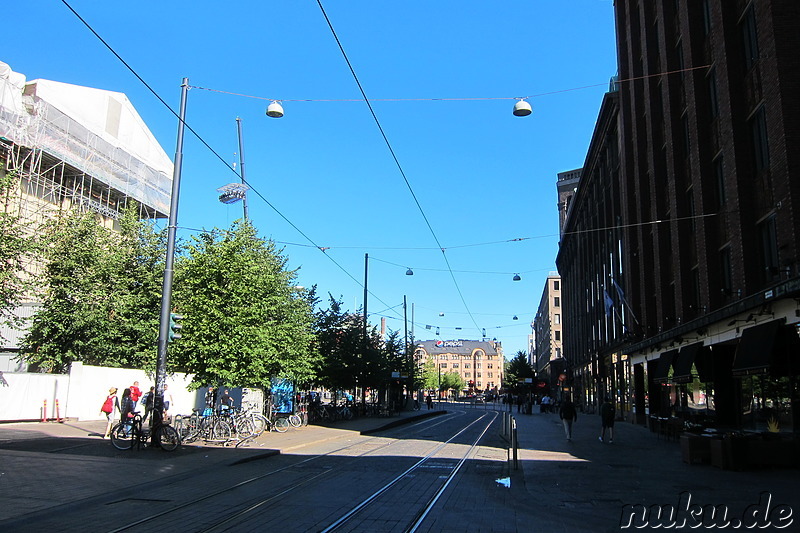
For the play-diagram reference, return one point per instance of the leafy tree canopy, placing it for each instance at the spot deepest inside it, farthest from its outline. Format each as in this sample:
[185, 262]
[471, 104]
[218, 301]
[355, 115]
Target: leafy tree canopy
[245, 321]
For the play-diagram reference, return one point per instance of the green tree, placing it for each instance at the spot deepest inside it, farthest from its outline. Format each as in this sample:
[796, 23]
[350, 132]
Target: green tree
[452, 381]
[245, 320]
[517, 369]
[15, 247]
[100, 293]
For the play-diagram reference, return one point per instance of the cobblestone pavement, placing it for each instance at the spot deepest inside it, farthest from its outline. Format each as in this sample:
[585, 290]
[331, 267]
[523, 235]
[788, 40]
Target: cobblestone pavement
[560, 485]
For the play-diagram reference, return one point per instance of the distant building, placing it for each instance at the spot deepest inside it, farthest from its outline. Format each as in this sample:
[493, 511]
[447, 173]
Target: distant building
[478, 361]
[567, 186]
[547, 326]
[75, 146]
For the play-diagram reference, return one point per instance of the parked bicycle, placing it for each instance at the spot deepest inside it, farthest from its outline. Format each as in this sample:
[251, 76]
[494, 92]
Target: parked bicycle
[127, 433]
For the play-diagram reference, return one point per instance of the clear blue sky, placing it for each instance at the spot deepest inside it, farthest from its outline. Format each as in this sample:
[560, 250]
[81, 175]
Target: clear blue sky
[480, 174]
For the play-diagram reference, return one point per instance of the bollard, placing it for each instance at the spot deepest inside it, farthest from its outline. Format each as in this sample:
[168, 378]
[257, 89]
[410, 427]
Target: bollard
[514, 443]
[44, 411]
[58, 413]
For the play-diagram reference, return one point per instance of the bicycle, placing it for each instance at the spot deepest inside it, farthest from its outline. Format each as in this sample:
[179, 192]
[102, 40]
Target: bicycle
[127, 433]
[278, 423]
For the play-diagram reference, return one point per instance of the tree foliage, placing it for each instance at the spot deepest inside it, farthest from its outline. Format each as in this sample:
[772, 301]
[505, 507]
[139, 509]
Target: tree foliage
[518, 369]
[15, 246]
[245, 321]
[100, 293]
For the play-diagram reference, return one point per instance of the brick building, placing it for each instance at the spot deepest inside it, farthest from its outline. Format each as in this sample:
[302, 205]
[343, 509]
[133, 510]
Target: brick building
[681, 243]
[478, 361]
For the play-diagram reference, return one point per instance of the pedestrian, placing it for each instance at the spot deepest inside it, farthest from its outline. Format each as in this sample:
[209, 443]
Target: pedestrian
[127, 409]
[225, 401]
[211, 401]
[520, 401]
[429, 401]
[136, 393]
[110, 405]
[568, 415]
[545, 408]
[607, 416]
[147, 401]
[167, 401]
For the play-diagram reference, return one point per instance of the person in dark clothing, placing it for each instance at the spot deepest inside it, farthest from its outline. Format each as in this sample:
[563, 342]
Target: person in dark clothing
[127, 409]
[211, 401]
[568, 415]
[148, 403]
[607, 416]
[225, 401]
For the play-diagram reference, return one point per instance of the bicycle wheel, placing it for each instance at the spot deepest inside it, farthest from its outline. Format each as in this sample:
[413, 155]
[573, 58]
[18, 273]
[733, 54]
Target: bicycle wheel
[121, 437]
[260, 423]
[169, 438]
[220, 430]
[245, 427]
[281, 425]
[295, 421]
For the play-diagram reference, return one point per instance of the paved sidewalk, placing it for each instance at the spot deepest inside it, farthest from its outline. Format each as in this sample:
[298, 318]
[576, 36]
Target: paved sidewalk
[43, 465]
[589, 480]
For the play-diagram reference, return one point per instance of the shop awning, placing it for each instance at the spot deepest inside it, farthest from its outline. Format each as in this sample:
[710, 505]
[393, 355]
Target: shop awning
[754, 353]
[683, 363]
[664, 364]
[703, 363]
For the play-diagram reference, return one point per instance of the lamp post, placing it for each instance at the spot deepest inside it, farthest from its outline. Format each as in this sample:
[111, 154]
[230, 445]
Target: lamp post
[241, 165]
[166, 291]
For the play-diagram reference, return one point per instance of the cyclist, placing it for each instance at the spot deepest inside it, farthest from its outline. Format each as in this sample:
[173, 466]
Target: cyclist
[127, 409]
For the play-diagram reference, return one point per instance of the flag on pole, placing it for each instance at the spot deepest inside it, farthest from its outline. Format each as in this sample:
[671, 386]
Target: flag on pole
[609, 303]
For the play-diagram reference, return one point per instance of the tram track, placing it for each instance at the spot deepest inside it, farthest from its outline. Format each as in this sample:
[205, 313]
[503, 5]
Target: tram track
[281, 482]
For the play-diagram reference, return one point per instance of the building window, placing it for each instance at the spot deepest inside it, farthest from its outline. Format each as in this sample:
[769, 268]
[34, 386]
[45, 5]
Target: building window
[749, 38]
[455, 365]
[442, 365]
[557, 318]
[467, 375]
[758, 131]
[769, 248]
[719, 176]
[725, 271]
[467, 365]
[713, 107]
[478, 374]
[477, 365]
[556, 302]
[557, 334]
[491, 375]
[490, 365]
[556, 285]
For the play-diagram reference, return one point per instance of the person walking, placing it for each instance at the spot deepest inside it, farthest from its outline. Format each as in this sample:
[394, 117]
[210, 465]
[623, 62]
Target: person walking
[568, 415]
[429, 401]
[127, 408]
[211, 401]
[148, 403]
[110, 405]
[136, 393]
[607, 416]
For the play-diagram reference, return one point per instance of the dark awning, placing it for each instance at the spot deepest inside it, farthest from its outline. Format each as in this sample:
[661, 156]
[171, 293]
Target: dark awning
[683, 363]
[664, 364]
[703, 363]
[754, 353]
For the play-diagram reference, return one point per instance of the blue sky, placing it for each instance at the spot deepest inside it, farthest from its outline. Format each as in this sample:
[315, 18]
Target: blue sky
[442, 77]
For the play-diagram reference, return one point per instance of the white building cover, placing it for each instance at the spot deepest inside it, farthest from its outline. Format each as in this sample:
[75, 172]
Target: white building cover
[96, 131]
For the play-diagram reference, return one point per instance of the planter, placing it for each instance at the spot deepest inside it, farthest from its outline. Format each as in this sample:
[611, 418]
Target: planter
[695, 448]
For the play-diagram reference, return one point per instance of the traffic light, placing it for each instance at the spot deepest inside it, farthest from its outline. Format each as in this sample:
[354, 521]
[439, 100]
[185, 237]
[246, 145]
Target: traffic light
[174, 326]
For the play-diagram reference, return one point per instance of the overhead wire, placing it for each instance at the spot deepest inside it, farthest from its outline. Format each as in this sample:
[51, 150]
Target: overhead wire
[396, 160]
[214, 152]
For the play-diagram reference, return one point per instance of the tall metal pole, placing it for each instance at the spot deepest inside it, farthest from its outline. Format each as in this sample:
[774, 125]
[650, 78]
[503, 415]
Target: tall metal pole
[166, 291]
[241, 165]
[366, 272]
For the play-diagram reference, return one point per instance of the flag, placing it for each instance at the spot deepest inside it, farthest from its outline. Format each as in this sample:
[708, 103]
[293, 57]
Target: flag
[609, 303]
[620, 293]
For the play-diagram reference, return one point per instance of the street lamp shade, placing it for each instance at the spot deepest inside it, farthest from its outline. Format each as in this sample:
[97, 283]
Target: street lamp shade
[409, 272]
[522, 109]
[516, 277]
[275, 110]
